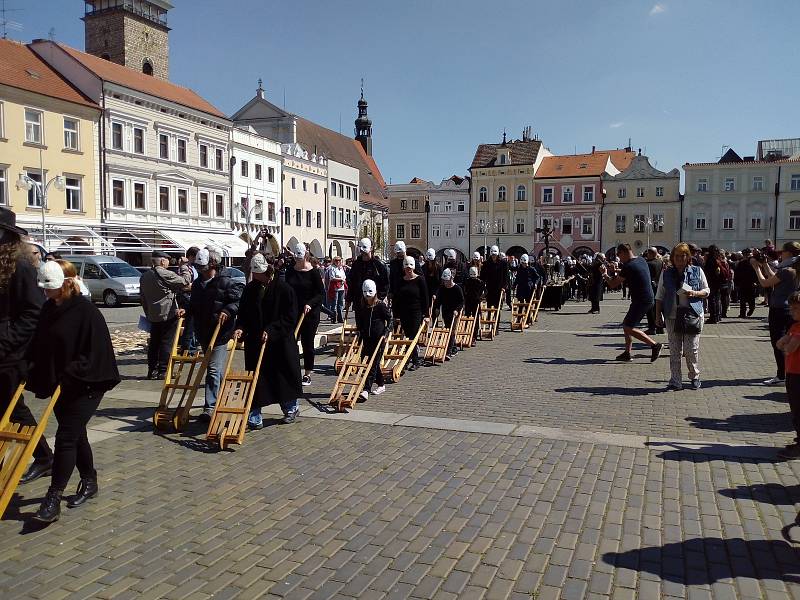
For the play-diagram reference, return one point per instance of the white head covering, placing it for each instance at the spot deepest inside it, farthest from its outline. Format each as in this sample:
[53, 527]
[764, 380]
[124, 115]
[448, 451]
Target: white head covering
[409, 261]
[202, 257]
[299, 250]
[369, 288]
[476, 256]
[399, 247]
[494, 251]
[450, 253]
[364, 245]
[430, 254]
[258, 264]
[524, 259]
[502, 255]
[473, 272]
[50, 276]
[447, 275]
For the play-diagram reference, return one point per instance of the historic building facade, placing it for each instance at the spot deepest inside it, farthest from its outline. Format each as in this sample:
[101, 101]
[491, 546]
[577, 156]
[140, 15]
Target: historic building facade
[642, 207]
[305, 181]
[569, 198]
[49, 135]
[407, 216]
[342, 216]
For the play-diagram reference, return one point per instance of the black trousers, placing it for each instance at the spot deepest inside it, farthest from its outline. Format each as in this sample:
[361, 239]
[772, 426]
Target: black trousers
[73, 411]
[747, 300]
[779, 322]
[493, 297]
[375, 375]
[307, 332]
[793, 394]
[159, 345]
[10, 378]
[725, 299]
[715, 305]
[411, 324]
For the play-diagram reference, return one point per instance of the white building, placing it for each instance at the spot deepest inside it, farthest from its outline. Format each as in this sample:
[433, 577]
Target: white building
[256, 182]
[343, 183]
[448, 222]
[305, 183]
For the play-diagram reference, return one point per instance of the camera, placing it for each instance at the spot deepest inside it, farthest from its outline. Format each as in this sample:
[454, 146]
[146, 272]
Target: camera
[759, 256]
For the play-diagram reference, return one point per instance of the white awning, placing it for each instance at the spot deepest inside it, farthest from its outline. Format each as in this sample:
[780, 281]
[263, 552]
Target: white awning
[232, 246]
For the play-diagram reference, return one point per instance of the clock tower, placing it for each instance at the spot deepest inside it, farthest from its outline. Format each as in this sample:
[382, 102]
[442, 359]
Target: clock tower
[133, 33]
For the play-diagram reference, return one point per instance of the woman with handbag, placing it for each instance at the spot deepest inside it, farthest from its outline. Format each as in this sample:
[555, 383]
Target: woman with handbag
[679, 299]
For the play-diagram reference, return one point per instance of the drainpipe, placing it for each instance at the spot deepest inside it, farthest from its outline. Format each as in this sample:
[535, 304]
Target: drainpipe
[103, 202]
[777, 194]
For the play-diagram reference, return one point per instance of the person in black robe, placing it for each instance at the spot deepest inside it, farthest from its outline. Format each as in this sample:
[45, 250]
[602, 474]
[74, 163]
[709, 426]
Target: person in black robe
[431, 271]
[71, 348]
[306, 282]
[372, 320]
[495, 275]
[409, 305]
[474, 290]
[526, 280]
[269, 312]
[449, 298]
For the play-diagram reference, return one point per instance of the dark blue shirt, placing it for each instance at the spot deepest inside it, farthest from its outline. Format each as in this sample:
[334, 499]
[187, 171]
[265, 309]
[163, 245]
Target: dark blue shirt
[637, 276]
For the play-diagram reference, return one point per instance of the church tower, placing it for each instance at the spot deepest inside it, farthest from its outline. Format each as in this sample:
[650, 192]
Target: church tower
[363, 124]
[133, 33]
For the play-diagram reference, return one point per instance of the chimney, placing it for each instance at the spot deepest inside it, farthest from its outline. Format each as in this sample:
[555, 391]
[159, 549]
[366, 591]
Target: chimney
[593, 149]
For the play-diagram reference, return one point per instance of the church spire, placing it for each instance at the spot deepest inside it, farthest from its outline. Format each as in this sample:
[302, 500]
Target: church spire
[363, 124]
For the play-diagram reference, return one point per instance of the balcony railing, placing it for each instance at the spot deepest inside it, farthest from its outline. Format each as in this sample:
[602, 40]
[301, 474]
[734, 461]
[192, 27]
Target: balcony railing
[151, 15]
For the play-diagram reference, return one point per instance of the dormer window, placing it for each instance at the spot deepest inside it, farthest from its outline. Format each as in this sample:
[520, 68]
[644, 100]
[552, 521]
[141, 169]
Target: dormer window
[503, 159]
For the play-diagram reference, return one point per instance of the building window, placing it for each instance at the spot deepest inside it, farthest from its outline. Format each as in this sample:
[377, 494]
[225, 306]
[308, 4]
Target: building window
[305, 185]
[566, 225]
[501, 193]
[588, 193]
[727, 222]
[414, 203]
[437, 207]
[245, 169]
[348, 219]
[659, 191]
[203, 155]
[333, 190]
[794, 220]
[503, 159]
[448, 207]
[658, 223]
[730, 184]
[700, 221]
[258, 172]
[163, 198]
[400, 231]
[547, 195]
[758, 183]
[147, 67]
[34, 200]
[403, 204]
[520, 225]
[620, 224]
[73, 193]
[204, 204]
[298, 217]
[219, 205]
[118, 193]
[501, 225]
[163, 146]
[315, 188]
[271, 212]
[566, 195]
[341, 217]
[702, 184]
[795, 185]
[587, 226]
[294, 183]
[522, 193]
[271, 174]
[639, 222]
[116, 136]
[640, 192]
[462, 230]
[70, 134]
[462, 206]
[138, 140]
[448, 231]
[341, 191]
[2, 121]
[3, 187]
[755, 221]
[483, 195]
[183, 201]
[333, 216]
[621, 192]
[348, 192]
[140, 202]
[436, 231]
[33, 126]
[415, 231]
[181, 150]
[287, 215]
[220, 160]
[319, 220]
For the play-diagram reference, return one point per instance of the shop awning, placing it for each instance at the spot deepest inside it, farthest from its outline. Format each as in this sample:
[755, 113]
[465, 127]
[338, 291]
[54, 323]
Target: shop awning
[232, 246]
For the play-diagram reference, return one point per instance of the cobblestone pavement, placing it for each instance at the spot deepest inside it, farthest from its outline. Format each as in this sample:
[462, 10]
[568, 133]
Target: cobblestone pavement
[343, 509]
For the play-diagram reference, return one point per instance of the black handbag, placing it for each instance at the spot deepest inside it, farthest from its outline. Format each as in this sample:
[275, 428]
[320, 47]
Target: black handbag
[686, 320]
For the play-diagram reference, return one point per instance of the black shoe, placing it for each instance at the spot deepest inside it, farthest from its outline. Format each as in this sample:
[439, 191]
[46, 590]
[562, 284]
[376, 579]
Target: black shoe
[254, 426]
[152, 374]
[413, 366]
[656, 352]
[751, 311]
[290, 418]
[36, 470]
[87, 489]
[650, 331]
[659, 331]
[624, 357]
[50, 509]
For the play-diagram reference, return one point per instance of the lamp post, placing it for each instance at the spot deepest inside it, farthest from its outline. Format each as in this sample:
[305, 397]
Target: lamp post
[546, 233]
[29, 183]
[649, 224]
[484, 228]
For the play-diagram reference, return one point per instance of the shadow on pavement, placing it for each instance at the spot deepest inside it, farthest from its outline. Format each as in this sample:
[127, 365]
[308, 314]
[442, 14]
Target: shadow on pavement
[760, 423]
[711, 451]
[568, 361]
[703, 561]
[605, 390]
[768, 493]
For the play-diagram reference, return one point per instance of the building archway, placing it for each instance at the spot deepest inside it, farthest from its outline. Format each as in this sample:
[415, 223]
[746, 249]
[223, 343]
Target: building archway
[411, 251]
[516, 251]
[460, 256]
[553, 252]
[581, 251]
[353, 251]
[335, 249]
[316, 249]
[147, 67]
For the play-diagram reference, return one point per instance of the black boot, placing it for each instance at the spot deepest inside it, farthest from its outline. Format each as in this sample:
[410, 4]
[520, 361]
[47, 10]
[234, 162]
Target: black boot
[36, 470]
[50, 509]
[87, 489]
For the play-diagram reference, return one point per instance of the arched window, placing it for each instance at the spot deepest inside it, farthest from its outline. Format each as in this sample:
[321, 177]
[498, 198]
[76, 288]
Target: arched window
[147, 67]
[483, 195]
[522, 193]
[501, 193]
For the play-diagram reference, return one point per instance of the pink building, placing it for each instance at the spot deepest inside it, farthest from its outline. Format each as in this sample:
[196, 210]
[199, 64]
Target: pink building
[568, 196]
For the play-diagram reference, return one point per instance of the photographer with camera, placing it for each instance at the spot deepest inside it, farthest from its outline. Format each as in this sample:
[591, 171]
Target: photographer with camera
[782, 284]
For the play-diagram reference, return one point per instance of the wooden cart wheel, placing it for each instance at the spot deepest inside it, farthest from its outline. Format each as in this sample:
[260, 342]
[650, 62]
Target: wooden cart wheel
[180, 419]
[223, 439]
[159, 420]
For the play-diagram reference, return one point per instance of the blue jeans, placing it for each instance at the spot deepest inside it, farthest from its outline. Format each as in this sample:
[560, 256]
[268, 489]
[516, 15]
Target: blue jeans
[216, 367]
[254, 418]
[188, 340]
[338, 304]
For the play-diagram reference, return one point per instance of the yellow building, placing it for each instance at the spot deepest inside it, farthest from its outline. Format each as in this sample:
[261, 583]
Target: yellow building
[48, 135]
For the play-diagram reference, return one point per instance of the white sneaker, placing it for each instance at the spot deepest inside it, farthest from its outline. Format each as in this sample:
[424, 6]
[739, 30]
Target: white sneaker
[775, 381]
[379, 390]
[364, 395]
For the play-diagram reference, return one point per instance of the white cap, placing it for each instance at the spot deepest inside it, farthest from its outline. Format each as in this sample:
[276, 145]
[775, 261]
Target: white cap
[409, 261]
[450, 253]
[447, 275]
[494, 250]
[473, 272]
[202, 257]
[299, 250]
[524, 258]
[430, 254]
[50, 276]
[399, 247]
[476, 256]
[502, 255]
[364, 245]
[258, 264]
[369, 289]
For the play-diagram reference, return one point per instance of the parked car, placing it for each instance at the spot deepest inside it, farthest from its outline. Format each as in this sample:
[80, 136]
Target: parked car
[236, 274]
[108, 278]
[143, 270]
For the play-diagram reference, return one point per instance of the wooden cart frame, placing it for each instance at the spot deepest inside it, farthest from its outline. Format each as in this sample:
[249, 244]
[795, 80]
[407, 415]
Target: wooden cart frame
[439, 340]
[348, 340]
[229, 421]
[184, 376]
[490, 318]
[523, 313]
[397, 352]
[352, 378]
[466, 330]
[17, 443]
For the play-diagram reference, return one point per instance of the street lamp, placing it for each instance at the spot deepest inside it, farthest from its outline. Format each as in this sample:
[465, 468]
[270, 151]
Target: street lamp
[249, 216]
[29, 183]
[484, 228]
[649, 224]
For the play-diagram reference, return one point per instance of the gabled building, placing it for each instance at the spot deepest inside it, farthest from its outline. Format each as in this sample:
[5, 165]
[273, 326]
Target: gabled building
[642, 207]
[408, 221]
[569, 198]
[48, 134]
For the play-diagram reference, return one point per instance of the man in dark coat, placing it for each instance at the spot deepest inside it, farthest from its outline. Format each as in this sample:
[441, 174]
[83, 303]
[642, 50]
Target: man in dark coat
[746, 282]
[20, 304]
[495, 275]
[655, 265]
[366, 266]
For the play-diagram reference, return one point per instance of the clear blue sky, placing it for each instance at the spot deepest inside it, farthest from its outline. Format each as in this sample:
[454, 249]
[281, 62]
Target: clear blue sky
[680, 78]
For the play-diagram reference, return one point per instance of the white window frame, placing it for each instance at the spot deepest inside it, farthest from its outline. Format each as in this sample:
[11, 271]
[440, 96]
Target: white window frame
[728, 222]
[462, 206]
[523, 192]
[134, 183]
[39, 123]
[68, 188]
[794, 182]
[588, 189]
[461, 231]
[620, 224]
[639, 223]
[640, 192]
[437, 206]
[258, 171]
[566, 219]
[218, 197]
[3, 184]
[448, 206]
[702, 184]
[200, 147]
[169, 198]
[333, 216]
[2, 121]
[729, 184]
[165, 135]
[483, 195]
[133, 140]
[756, 221]
[564, 191]
[124, 183]
[547, 192]
[584, 220]
[658, 223]
[400, 231]
[34, 200]
[794, 220]
[436, 231]
[519, 225]
[185, 141]
[659, 191]
[501, 193]
[448, 231]
[622, 192]
[72, 137]
[178, 201]
[758, 183]
[700, 222]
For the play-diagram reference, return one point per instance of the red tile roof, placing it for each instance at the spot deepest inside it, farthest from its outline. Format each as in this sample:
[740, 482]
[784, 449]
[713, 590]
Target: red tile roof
[743, 163]
[583, 165]
[22, 69]
[119, 74]
[520, 153]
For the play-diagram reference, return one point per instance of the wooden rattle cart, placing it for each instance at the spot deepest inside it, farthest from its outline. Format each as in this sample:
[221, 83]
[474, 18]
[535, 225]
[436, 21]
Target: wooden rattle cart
[523, 313]
[466, 330]
[347, 343]
[490, 318]
[439, 340]
[17, 443]
[184, 376]
[398, 352]
[352, 378]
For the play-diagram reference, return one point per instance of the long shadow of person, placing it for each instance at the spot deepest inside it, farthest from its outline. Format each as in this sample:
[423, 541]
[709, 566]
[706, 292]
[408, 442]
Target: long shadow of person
[768, 493]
